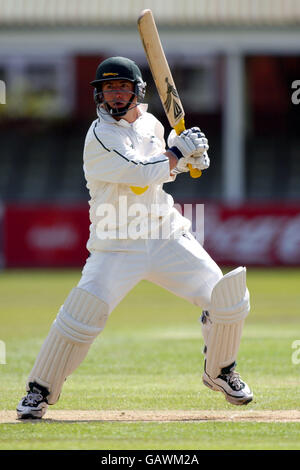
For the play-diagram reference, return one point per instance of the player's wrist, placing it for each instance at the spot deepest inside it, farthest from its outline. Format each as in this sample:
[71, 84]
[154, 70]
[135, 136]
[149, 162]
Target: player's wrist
[176, 152]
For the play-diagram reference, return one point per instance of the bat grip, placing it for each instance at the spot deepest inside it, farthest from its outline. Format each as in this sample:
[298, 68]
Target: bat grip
[194, 172]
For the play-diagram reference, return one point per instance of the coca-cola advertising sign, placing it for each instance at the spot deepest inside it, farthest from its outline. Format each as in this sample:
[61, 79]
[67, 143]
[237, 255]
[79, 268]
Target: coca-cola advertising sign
[262, 235]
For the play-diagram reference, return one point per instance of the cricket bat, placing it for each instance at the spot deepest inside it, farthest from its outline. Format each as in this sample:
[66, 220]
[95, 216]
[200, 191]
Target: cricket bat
[162, 76]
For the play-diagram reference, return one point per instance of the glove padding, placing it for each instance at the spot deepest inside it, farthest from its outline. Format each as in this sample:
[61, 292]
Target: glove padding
[189, 142]
[200, 163]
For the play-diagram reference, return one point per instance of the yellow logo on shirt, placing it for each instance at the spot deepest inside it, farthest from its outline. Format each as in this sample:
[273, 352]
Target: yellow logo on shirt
[138, 190]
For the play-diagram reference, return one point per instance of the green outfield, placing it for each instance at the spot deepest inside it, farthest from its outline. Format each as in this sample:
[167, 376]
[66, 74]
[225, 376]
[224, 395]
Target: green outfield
[148, 361]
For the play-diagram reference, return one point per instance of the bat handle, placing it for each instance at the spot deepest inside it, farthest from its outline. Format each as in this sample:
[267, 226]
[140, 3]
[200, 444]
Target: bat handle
[194, 172]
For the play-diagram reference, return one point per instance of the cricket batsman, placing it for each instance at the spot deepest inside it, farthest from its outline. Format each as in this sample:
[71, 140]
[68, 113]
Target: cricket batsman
[137, 234]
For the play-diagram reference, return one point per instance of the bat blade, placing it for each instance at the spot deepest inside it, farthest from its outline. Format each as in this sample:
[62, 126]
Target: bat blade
[159, 67]
[162, 75]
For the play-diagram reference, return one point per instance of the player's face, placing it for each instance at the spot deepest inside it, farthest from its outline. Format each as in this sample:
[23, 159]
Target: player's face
[117, 93]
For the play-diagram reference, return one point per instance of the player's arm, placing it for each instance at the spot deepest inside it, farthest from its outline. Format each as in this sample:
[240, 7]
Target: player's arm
[173, 160]
[110, 157]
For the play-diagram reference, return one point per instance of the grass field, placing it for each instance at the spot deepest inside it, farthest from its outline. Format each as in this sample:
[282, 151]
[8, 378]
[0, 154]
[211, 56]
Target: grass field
[149, 359]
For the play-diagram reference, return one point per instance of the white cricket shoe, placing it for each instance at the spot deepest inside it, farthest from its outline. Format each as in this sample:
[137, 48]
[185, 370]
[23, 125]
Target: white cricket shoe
[34, 405]
[229, 382]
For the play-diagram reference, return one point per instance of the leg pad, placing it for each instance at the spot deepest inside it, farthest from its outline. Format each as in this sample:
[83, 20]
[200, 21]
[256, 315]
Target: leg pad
[229, 307]
[78, 323]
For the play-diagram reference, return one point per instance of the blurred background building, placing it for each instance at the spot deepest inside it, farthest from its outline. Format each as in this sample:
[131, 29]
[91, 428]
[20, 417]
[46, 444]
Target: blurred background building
[236, 64]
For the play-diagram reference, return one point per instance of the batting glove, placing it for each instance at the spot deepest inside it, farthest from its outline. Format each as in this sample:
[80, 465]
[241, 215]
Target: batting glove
[189, 143]
[203, 162]
[199, 140]
[200, 163]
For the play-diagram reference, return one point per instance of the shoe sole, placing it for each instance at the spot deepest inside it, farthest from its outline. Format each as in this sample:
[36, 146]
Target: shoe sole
[231, 399]
[29, 416]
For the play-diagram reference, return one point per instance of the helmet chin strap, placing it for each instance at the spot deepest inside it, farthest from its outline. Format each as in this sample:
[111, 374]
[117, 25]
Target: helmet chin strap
[119, 112]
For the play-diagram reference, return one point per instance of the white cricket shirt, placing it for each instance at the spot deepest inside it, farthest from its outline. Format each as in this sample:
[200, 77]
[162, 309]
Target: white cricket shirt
[117, 156]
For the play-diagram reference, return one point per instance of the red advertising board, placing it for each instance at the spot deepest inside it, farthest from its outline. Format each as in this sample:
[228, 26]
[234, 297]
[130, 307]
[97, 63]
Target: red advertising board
[45, 235]
[261, 235]
[252, 235]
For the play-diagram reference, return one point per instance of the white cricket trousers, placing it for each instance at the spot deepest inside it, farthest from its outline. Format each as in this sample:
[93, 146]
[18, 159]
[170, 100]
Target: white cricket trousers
[181, 266]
